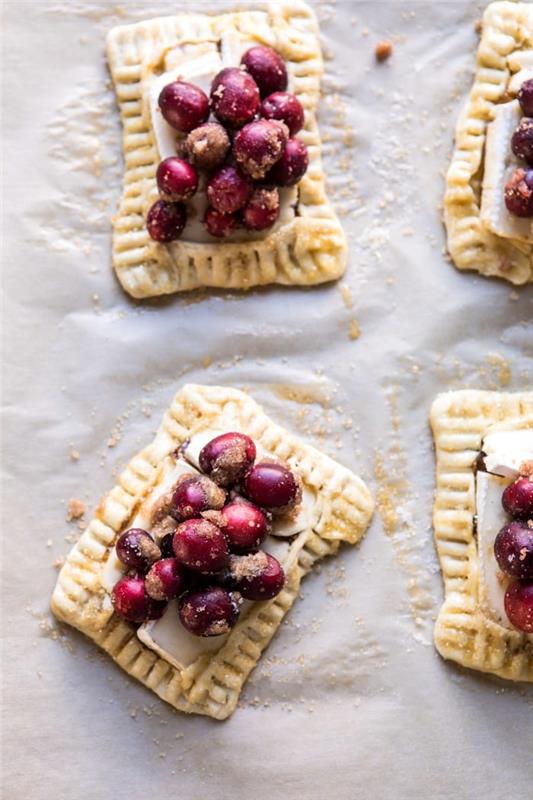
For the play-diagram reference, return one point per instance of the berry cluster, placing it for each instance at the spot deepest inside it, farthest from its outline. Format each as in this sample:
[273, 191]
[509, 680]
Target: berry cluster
[248, 152]
[518, 191]
[212, 557]
[513, 549]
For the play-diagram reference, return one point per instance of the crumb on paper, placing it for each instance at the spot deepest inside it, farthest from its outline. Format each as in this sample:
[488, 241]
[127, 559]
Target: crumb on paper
[383, 50]
[75, 509]
[354, 331]
[74, 455]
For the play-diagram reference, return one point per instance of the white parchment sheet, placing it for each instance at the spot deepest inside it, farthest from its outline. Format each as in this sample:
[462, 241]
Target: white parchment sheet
[350, 701]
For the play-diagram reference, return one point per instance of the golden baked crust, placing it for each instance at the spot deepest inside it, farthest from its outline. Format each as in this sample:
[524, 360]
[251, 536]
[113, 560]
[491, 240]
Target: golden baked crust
[212, 684]
[463, 632]
[507, 30]
[309, 249]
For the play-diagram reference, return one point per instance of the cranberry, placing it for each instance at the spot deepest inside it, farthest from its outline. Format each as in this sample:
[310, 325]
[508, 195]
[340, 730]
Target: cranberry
[292, 165]
[219, 224]
[244, 525]
[522, 141]
[525, 97]
[183, 105]
[165, 545]
[176, 179]
[286, 108]
[131, 601]
[209, 612]
[194, 494]
[208, 145]
[258, 576]
[201, 546]
[519, 605]
[518, 193]
[166, 579]
[272, 485]
[228, 190]
[517, 498]
[513, 549]
[227, 457]
[166, 221]
[262, 210]
[267, 68]
[259, 145]
[137, 550]
[235, 97]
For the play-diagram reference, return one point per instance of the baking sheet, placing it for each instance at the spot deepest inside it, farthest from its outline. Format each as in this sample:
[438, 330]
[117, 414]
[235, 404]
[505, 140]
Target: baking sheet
[350, 700]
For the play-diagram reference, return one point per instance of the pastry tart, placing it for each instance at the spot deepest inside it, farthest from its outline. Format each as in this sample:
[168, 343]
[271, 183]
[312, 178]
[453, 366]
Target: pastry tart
[196, 650]
[488, 209]
[291, 236]
[484, 530]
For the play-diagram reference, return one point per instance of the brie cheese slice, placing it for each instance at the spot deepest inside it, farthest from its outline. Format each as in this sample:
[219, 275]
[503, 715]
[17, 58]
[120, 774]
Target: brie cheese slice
[304, 517]
[506, 451]
[490, 519]
[518, 79]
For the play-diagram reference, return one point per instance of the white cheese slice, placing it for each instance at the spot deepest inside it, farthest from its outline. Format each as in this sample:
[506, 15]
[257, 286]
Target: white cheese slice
[506, 451]
[306, 516]
[490, 519]
[518, 79]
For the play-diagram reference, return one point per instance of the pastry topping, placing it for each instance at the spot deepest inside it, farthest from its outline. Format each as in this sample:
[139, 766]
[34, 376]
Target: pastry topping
[525, 97]
[266, 68]
[383, 50]
[517, 498]
[194, 494]
[183, 105]
[209, 612]
[166, 221]
[201, 546]
[137, 550]
[228, 457]
[519, 605]
[165, 579]
[286, 108]
[272, 486]
[219, 224]
[262, 209]
[259, 145]
[176, 179]
[258, 576]
[228, 190]
[513, 549]
[131, 601]
[244, 525]
[292, 165]
[518, 193]
[208, 145]
[522, 140]
[234, 97]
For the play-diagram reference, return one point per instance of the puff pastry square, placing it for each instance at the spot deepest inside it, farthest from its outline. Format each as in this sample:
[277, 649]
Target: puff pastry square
[504, 59]
[212, 684]
[306, 246]
[464, 632]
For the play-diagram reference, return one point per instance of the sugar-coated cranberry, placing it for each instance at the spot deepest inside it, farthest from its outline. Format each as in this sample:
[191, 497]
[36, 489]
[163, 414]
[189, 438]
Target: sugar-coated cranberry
[166, 579]
[259, 145]
[262, 210]
[267, 68]
[257, 576]
[165, 545]
[132, 602]
[194, 494]
[292, 165]
[201, 546]
[227, 457]
[208, 145]
[286, 108]
[219, 224]
[235, 97]
[183, 105]
[176, 179]
[228, 190]
[166, 221]
[519, 605]
[518, 193]
[137, 550]
[209, 612]
[525, 97]
[517, 498]
[273, 486]
[245, 526]
[522, 141]
[513, 548]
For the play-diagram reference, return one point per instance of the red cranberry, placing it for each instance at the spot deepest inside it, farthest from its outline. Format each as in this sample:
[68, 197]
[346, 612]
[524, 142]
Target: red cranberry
[209, 612]
[166, 221]
[176, 179]
[131, 601]
[234, 97]
[525, 97]
[262, 210]
[517, 498]
[137, 550]
[267, 68]
[258, 576]
[208, 145]
[227, 457]
[228, 190]
[522, 141]
[219, 224]
[519, 605]
[194, 494]
[245, 526]
[286, 108]
[292, 165]
[259, 145]
[183, 105]
[518, 193]
[165, 579]
[513, 549]
[273, 486]
[201, 546]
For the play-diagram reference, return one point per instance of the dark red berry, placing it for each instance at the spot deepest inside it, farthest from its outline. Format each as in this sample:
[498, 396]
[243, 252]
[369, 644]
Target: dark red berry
[194, 494]
[518, 193]
[267, 68]
[209, 612]
[258, 576]
[522, 140]
[183, 105]
[286, 108]
[227, 457]
[519, 605]
[166, 579]
[273, 486]
[259, 145]
[166, 221]
[525, 97]
[137, 550]
[131, 601]
[228, 190]
[219, 224]
[245, 526]
[517, 498]
[292, 165]
[262, 210]
[513, 549]
[208, 145]
[201, 546]
[176, 179]
[235, 97]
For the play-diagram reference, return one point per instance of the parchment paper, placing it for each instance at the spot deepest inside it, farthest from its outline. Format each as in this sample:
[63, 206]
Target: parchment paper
[351, 700]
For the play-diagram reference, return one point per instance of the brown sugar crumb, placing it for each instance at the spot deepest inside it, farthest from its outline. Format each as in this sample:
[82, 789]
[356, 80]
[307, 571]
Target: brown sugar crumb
[383, 50]
[354, 331]
[74, 455]
[75, 509]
